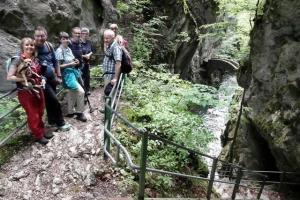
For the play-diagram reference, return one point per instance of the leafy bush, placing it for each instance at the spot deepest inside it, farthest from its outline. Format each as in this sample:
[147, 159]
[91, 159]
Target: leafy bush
[13, 120]
[239, 15]
[167, 106]
[96, 77]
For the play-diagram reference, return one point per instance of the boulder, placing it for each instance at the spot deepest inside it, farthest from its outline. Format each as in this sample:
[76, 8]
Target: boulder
[9, 46]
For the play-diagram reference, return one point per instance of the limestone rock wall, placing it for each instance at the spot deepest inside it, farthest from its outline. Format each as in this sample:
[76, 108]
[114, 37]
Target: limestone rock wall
[272, 101]
[184, 18]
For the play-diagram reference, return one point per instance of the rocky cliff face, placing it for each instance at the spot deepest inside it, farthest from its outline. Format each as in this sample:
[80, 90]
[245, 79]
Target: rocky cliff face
[184, 17]
[269, 135]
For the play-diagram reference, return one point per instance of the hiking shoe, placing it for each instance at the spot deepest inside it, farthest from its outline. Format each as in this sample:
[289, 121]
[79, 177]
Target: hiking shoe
[48, 135]
[42, 141]
[88, 93]
[50, 125]
[81, 117]
[65, 127]
[70, 115]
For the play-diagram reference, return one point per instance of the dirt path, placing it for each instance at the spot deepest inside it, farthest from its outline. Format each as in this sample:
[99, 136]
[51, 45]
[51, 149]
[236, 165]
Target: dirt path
[69, 167]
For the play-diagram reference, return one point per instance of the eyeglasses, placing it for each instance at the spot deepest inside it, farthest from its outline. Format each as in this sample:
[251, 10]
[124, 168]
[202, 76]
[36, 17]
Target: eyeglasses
[39, 36]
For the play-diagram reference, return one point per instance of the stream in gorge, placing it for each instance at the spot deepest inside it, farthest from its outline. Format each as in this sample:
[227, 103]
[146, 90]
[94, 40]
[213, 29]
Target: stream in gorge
[215, 120]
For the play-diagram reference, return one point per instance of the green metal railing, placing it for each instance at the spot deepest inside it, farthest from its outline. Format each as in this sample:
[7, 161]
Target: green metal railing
[238, 176]
[4, 117]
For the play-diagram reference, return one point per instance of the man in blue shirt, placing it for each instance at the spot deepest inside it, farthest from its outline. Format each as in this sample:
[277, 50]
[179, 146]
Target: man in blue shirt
[51, 72]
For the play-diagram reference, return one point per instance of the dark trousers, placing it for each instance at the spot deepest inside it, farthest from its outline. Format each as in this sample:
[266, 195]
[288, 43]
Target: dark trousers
[86, 76]
[53, 108]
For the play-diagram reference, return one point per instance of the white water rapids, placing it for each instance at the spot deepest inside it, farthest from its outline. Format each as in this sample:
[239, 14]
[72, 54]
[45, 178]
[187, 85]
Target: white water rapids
[215, 120]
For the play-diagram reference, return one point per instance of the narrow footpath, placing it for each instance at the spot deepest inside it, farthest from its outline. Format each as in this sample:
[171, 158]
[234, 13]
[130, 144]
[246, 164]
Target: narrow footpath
[69, 167]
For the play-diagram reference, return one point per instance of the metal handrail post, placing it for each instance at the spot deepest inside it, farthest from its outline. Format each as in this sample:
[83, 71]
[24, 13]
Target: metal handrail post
[143, 165]
[282, 177]
[118, 155]
[230, 172]
[261, 188]
[212, 178]
[237, 183]
[124, 79]
[107, 122]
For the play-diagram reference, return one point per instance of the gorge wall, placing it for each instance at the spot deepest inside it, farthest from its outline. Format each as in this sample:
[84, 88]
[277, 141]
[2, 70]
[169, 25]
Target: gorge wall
[269, 134]
[183, 56]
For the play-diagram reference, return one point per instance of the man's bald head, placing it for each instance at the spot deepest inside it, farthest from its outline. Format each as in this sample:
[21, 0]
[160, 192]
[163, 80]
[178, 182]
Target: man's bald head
[108, 36]
[109, 32]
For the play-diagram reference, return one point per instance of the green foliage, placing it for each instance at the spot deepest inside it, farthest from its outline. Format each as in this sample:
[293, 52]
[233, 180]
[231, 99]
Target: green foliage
[13, 120]
[136, 6]
[167, 106]
[122, 7]
[238, 16]
[146, 36]
[260, 8]
[96, 76]
[183, 37]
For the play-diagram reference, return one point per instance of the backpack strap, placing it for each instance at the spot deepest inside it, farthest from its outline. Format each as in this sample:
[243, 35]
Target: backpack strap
[9, 61]
[49, 46]
[112, 49]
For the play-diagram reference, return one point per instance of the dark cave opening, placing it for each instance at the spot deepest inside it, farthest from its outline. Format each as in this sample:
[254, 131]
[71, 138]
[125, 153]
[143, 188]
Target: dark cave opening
[266, 158]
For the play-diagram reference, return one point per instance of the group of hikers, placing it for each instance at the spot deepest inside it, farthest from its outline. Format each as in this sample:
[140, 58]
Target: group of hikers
[38, 69]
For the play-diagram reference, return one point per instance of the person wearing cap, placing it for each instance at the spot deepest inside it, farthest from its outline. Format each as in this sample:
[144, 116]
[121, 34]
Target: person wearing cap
[70, 75]
[86, 56]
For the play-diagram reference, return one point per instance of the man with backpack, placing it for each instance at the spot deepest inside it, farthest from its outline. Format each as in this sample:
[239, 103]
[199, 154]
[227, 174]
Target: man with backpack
[112, 59]
[51, 71]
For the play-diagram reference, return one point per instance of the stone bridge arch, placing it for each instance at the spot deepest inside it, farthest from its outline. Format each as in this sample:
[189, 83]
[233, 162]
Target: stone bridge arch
[214, 69]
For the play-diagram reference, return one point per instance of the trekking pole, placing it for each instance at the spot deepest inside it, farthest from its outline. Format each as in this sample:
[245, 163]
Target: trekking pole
[80, 81]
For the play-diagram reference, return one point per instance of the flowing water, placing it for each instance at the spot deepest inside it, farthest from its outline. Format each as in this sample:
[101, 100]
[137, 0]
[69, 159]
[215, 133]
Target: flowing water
[215, 120]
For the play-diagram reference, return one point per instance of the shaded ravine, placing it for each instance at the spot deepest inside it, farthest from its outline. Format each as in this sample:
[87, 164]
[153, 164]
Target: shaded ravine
[215, 120]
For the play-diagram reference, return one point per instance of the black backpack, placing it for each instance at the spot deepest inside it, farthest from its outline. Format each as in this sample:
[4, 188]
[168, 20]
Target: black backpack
[126, 64]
